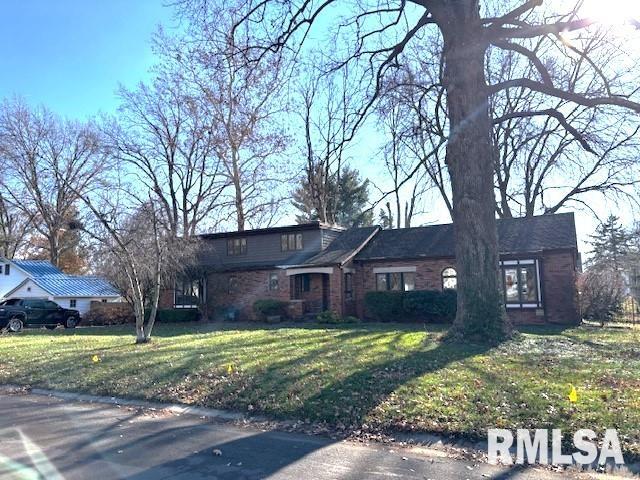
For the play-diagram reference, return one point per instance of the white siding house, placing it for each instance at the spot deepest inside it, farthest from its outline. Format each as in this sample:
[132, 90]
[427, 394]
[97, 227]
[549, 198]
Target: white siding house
[40, 279]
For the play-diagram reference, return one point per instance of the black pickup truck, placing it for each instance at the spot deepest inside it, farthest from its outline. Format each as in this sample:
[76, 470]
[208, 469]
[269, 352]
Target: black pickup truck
[16, 313]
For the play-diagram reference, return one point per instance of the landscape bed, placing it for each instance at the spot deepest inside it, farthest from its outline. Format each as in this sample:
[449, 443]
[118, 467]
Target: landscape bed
[362, 379]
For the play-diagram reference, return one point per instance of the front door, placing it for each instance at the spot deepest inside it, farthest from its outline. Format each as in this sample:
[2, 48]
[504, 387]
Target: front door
[325, 292]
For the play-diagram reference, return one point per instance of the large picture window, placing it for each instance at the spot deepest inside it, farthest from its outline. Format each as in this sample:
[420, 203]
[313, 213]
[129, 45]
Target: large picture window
[189, 293]
[396, 281]
[236, 246]
[521, 283]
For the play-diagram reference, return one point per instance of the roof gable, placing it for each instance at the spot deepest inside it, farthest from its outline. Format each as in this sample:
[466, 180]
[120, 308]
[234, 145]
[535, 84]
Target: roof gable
[346, 245]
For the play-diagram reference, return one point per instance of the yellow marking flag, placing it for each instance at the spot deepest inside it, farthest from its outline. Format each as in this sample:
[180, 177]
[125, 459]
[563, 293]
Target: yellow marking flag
[573, 394]
[95, 359]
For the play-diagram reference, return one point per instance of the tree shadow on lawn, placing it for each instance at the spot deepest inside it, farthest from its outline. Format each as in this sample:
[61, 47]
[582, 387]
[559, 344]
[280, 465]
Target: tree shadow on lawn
[339, 380]
[349, 400]
[164, 330]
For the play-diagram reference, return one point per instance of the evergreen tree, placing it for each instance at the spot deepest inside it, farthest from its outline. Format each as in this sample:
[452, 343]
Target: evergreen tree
[611, 245]
[337, 199]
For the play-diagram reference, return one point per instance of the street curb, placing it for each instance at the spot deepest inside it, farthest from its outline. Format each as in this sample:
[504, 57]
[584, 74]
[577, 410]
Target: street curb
[427, 442]
[175, 408]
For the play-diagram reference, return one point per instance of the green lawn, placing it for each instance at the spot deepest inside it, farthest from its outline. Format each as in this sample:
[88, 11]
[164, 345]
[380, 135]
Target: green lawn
[372, 378]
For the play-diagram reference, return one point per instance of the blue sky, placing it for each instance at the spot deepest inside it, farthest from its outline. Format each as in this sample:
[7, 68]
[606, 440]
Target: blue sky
[71, 54]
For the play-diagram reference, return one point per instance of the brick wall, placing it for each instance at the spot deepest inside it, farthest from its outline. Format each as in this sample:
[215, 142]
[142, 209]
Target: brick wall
[558, 278]
[428, 276]
[250, 286]
[166, 298]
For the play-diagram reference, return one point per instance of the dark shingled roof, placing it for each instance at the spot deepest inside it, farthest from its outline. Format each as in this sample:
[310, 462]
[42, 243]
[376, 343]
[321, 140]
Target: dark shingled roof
[515, 235]
[345, 245]
[211, 260]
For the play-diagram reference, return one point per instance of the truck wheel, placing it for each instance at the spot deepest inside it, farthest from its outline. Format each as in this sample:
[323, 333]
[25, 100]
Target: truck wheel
[15, 325]
[70, 322]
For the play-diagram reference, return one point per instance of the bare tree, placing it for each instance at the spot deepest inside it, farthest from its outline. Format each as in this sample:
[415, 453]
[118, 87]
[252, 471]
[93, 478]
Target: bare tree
[553, 152]
[326, 116]
[47, 161]
[244, 105]
[407, 168]
[381, 31]
[142, 256]
[163, 137]
[15, 228]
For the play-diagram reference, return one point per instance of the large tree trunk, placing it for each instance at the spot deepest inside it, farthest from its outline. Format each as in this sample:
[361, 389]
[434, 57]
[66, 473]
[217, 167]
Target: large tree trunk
[470, 159]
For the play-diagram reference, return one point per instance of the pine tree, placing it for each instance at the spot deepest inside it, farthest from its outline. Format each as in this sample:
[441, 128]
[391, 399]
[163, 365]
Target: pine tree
[339, 199]
[611, 245]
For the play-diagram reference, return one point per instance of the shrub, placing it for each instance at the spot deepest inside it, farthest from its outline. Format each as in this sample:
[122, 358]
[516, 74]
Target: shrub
[415, 305]
[329, 316]
[430, 305]
[602, 294]
[171, 315]
[384, 306]
[350, 319]
[112, 313]
[268, 307]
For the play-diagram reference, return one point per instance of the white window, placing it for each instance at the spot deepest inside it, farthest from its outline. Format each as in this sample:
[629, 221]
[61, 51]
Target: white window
[72, 303]
[449, 279]
[396, 281]
[521, 283]
[273, 281]
[189, 293]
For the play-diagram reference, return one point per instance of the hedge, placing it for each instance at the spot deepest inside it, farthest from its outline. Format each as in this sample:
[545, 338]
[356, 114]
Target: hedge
[384, 306]
[417, 305]
[431, 305]
[268, 307]
[170, 315]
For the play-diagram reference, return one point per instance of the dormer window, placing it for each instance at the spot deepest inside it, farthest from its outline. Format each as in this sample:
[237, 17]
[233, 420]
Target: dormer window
[291, 241]
[236, 246]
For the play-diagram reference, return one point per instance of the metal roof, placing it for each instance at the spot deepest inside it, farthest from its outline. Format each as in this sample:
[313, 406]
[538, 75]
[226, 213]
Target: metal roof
[58, 284]
[37, 268]
[76, 286]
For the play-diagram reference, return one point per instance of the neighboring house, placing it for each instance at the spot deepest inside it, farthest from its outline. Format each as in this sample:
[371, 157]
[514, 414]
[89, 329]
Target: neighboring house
[40, 279]
[317, 267]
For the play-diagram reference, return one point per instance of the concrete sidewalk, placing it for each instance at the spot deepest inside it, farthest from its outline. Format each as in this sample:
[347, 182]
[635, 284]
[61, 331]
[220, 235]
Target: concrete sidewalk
[53, 438]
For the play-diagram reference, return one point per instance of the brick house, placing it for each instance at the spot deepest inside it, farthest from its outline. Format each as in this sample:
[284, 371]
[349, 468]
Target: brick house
[316, 267]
